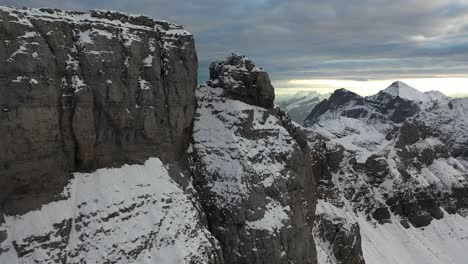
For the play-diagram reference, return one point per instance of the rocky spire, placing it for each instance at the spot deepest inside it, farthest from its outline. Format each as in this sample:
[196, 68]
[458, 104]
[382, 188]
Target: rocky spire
[242, 80]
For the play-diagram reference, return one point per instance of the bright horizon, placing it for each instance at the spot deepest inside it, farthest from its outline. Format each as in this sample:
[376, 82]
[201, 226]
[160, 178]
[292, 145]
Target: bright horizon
[455, 87]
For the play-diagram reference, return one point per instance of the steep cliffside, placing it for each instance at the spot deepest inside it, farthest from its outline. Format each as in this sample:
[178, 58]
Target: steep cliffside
[82, 91]
[256, 182]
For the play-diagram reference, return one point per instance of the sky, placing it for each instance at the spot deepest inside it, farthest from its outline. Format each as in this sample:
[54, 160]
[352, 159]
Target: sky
[363, 45]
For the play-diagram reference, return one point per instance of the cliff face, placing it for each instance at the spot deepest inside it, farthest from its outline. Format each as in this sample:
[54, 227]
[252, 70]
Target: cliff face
[86, 91]
[254, 177]
[81, 91]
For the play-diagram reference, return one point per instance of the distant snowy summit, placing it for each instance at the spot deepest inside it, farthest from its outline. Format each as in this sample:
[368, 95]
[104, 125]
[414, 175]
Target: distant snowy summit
[404, 91]
[396, 189]
[299, 105]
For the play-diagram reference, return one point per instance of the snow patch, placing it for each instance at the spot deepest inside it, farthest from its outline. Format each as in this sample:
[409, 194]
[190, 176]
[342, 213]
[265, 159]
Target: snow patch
[132, 214]
[143, 84]
[273, 219]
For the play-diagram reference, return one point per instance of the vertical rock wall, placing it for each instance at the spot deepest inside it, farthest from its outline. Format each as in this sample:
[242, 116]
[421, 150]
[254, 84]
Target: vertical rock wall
[80, 91]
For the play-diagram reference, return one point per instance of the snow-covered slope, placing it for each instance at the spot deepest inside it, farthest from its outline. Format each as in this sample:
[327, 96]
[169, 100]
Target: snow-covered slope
[132, 214]
[444, 241]
[405, 91]
[402, 90]
[397, 168]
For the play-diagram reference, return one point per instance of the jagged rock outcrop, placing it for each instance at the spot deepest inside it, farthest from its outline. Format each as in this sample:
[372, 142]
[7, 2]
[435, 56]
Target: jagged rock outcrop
[82, 91]
[254, 178]
[241, 80]
[339, 241]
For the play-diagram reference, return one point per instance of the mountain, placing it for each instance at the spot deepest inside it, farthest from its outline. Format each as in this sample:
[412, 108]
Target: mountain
[298, 105]
[111, 154]
[81, 92]
[251, 170]
[397, 173]
[402, 90]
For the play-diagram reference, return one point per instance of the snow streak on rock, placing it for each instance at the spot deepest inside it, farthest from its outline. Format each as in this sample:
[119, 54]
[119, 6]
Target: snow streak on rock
[255, 180]
[232, 156]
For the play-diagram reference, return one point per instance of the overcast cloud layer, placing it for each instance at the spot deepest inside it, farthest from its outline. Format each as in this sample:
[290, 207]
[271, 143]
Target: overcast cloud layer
[320, 39]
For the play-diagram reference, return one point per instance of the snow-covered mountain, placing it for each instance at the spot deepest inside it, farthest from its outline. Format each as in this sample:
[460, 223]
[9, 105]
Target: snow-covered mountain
[82, 92]
[111, 154]
[251, 170]
[398, 173]
[298, 105]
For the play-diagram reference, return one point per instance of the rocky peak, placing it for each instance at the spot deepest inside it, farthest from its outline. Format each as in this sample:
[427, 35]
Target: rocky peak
[406, 92]
[342, 96]
[251, 169]
[242, 80]
[338, 100]
[402, 90]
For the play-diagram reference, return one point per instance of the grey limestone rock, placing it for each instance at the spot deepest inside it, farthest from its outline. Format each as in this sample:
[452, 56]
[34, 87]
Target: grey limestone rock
[81, 91]
[252, 169]
[242, 80]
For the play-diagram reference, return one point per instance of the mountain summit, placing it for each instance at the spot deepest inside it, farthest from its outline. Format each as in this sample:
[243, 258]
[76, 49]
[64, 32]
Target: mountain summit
[405, 91]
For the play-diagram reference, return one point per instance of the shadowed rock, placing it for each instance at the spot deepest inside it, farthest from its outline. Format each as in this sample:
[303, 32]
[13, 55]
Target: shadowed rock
[242, 80]
[80, 91]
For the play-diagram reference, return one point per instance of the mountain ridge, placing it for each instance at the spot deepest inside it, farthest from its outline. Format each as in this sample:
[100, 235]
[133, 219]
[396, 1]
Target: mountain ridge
[401, 170]
[112, 154]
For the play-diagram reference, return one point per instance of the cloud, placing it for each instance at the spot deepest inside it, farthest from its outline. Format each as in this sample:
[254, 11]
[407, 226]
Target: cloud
[300, 39]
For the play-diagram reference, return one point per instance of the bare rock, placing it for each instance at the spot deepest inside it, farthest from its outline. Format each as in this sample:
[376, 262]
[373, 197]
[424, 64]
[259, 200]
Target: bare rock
[252, 169]
[82, 91]
[242, 80]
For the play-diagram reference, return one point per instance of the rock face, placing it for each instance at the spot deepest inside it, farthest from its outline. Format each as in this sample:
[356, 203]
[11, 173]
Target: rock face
[218, 174]
[252, 172]
[241, 80]
[82, 91]
[339, 241]
[391, 163]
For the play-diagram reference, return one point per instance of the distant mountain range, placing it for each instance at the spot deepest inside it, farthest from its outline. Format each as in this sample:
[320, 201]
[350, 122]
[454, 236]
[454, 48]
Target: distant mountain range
[298, 105]
[397, 183]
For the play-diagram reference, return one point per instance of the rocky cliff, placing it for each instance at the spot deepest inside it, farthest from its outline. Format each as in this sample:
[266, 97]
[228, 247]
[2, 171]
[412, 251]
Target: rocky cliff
[255, 180]
[214, 176]
[109, 153]
[82, 91]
